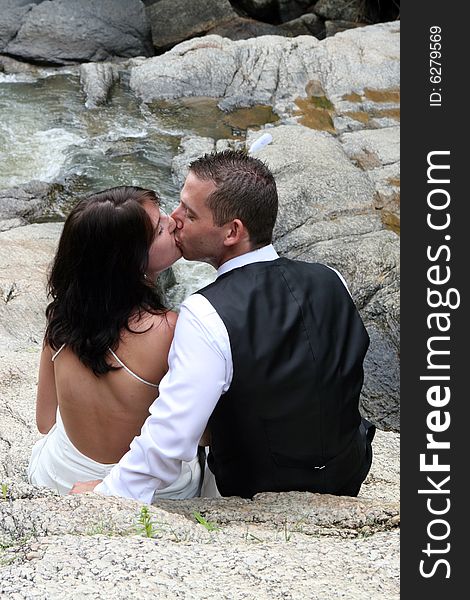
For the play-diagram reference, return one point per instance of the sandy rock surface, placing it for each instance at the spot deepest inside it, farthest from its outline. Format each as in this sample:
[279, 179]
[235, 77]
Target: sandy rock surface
[291, 545]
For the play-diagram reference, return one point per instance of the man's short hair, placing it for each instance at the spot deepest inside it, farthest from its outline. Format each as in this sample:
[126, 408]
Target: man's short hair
[245, 190]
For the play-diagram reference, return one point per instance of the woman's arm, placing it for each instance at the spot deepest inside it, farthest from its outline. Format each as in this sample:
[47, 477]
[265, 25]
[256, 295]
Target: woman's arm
[46, 400]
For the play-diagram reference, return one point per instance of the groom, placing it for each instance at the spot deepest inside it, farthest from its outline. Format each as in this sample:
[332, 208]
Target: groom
[270, 355]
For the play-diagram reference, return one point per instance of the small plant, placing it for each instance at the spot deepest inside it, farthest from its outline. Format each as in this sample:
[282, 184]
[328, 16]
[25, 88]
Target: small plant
[102, 528]
[297, 527]
[251, 536]
[146, 524]
[204, 522]
[4, 491]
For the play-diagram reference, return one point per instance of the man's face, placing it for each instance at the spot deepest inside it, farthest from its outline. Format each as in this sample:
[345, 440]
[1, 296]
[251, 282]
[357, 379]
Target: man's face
[196, 234]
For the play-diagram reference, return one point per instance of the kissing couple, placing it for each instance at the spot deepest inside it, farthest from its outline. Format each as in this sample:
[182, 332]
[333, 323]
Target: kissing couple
[261, 370]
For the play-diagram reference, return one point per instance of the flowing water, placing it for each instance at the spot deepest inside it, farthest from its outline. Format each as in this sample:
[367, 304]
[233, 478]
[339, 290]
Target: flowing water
[47, 134]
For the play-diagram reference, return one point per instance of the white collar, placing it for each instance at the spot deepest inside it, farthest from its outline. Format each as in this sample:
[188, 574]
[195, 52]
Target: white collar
[263, 254]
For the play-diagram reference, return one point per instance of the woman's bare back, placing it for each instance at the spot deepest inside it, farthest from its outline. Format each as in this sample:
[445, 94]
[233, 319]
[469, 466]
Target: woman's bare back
[102, 415]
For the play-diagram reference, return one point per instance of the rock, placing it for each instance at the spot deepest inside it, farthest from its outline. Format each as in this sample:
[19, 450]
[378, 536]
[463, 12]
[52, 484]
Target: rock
[9, 65]
[26, 254]
[28, 202]
[190, 148]
[374, 147]
[193, 19]
[13, 14]
[346, 10]
[97, 80]
[6, 224]
[272, 70]
[308, 24]
[61, 32]
[98, 546]
[241, 28]
[334, 27]
[377, 151]
[289, 9]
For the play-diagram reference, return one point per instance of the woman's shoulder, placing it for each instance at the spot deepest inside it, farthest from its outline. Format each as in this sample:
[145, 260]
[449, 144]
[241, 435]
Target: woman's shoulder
[149, 329]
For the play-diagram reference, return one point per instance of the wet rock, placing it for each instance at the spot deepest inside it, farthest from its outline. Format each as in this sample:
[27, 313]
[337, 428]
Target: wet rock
[190, 149]
[97, 80]
[10, 65]
[28, 202]
[13, 14]
[84, 30]
[193, 19]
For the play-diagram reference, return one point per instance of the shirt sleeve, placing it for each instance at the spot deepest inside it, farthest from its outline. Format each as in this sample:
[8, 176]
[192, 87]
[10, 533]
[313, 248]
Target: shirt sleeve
[199, 372]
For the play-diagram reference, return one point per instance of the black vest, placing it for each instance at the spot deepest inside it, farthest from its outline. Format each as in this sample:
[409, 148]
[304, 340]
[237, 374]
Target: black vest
[291, 414]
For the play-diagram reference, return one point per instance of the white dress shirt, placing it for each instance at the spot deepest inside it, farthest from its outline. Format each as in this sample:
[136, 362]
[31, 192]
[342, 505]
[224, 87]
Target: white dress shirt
[200, 371]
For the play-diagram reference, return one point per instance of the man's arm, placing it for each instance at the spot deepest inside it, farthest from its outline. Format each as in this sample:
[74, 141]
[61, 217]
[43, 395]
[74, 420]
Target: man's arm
[199, 372]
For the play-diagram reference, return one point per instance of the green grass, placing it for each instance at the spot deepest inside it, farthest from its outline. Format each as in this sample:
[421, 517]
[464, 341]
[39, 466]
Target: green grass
[202, 521]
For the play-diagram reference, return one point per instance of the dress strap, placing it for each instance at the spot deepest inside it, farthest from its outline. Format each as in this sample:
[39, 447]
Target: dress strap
[58, 352]
[155, 385]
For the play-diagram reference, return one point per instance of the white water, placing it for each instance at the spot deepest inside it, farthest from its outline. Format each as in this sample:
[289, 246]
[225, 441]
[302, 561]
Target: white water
[47, 134]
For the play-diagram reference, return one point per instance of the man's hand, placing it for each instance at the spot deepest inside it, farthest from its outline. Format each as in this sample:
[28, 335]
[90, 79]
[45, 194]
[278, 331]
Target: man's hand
[84, 486]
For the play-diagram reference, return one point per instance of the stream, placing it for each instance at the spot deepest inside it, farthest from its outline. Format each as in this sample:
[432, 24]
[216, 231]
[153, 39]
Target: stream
[47, 134]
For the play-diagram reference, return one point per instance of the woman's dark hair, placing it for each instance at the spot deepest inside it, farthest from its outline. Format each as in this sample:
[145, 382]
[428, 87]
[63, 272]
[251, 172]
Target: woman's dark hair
[97, 281]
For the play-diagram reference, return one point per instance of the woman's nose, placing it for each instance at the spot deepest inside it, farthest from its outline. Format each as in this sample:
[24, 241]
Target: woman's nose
[171, 224]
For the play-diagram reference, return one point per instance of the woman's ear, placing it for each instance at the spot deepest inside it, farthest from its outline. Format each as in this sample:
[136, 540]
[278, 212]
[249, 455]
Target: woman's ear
[235, 233]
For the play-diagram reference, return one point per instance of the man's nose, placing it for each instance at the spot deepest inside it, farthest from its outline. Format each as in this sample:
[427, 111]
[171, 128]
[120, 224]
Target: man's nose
[175, 216]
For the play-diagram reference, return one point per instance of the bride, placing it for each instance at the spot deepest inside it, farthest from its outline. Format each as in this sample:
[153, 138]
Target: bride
[107, 339]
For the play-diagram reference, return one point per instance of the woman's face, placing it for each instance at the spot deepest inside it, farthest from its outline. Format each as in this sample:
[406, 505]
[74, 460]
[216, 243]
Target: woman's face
[163, 252]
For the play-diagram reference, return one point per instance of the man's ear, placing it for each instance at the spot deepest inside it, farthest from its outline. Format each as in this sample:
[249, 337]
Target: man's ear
[235, 233]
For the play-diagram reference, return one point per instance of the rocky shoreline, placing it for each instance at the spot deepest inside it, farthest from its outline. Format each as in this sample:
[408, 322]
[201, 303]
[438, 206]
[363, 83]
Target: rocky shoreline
[339, 204]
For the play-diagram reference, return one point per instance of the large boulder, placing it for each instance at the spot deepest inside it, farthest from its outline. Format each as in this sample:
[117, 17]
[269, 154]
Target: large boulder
[30, 201]
[277, 546]
[110, 547]
[61, 32]
[273, 70]
[242, 28]
[13, 14]
[346, 10]
[192, 18]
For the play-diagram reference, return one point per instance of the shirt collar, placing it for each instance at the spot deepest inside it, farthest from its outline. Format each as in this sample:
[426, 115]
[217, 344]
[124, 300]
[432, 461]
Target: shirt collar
[263, 254]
